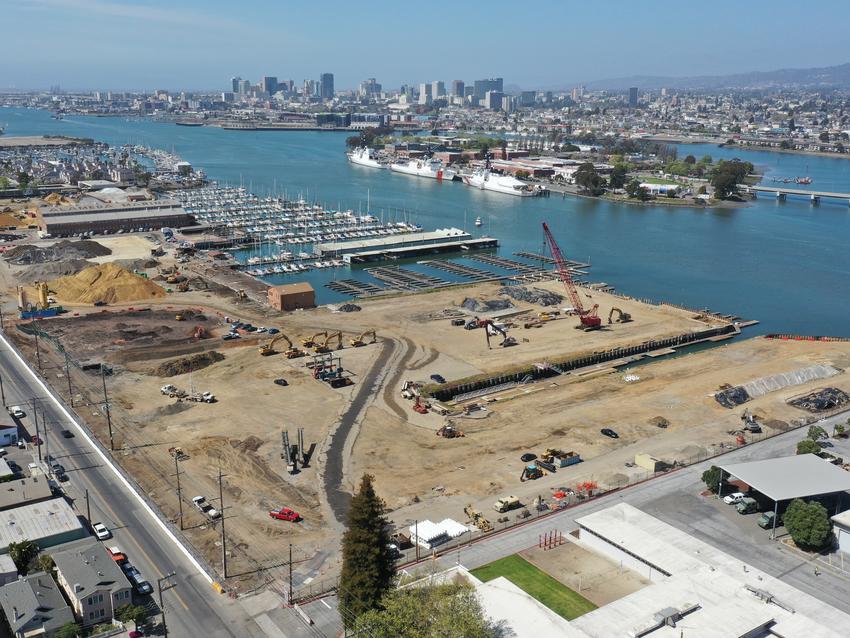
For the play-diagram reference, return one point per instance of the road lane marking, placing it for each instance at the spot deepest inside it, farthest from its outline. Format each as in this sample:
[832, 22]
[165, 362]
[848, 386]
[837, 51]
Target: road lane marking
[322, 600]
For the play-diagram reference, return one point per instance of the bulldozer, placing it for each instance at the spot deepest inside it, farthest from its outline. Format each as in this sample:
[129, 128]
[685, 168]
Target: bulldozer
[622, 317]
[358, 341]
[478, 519]
[328, 338]
[311, 341]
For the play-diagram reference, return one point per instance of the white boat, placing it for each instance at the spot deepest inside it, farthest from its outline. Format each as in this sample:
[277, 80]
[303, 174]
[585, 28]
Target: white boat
[365, 156]
[426, 167]
[478, 221]
[486, 180]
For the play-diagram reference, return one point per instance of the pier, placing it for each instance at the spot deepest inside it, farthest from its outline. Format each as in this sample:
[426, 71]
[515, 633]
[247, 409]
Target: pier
[781, 193]
[405, 279]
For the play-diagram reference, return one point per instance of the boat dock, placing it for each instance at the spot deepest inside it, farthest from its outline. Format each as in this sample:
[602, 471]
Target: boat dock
[355, 288]
[475, 274]
[574, 266]
[404, 279]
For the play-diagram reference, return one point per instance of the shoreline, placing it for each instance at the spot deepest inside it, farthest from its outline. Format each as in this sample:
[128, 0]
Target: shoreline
[745, 147]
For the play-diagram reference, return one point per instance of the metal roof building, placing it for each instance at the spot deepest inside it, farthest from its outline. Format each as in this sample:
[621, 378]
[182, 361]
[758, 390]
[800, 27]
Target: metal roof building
[47, 524]
[789, 477]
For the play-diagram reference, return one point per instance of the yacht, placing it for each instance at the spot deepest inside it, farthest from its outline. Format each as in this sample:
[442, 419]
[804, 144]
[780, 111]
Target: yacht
[365, 156]
[424, 167]
[478, 221]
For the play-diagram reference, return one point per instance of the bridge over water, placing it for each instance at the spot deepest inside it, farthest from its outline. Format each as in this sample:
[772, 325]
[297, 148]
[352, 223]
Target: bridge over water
[781, 193]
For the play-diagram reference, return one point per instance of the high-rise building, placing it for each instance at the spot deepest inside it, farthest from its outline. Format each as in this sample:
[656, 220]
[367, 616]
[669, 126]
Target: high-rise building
[326, 86]
[457, 88]
[633, 97]
[491, 84]
[493, 100]
[527, 98]
[370, 88]
[508, 103]
[309, 88]
[243, 87]
[438, 89]
[425, 93]
[663, 92]
[577, 93]
[234, 84]
[269, 84]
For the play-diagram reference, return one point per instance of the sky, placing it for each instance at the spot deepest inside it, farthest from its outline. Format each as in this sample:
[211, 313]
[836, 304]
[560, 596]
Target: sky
[201, 44]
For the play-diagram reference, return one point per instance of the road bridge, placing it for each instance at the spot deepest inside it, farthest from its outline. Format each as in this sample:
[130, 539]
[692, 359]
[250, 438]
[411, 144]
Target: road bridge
[781, 193]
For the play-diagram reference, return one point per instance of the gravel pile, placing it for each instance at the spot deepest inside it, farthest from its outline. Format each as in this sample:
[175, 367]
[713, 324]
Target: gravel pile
[532, 295]
[486, 305]
[27, 254]
[52, 270]
[349, 307]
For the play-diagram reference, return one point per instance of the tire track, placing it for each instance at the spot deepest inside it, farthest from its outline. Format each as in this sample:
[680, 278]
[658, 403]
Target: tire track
[391, 385]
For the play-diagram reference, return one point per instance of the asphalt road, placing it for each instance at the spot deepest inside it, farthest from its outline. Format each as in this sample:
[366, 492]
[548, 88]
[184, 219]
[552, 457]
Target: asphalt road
[193, 607]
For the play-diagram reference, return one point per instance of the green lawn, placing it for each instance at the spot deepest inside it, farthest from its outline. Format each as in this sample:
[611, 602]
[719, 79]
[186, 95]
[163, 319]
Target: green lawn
[556, 596]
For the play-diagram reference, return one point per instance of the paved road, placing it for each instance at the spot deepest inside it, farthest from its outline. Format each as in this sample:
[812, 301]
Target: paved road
[193, 607]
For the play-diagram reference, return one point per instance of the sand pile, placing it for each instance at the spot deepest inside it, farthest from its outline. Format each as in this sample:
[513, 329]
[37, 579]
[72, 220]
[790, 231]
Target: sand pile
[29, 254]
[105, 282]
[173, 367]
[8, 220]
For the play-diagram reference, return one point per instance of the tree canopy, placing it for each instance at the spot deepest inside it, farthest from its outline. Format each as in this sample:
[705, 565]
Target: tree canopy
[68, 630]
[427, 612]
[711, 478]
[807, 446]
[726, 176]
[368, 566]
[589, 180]
[808, 524]
[22, 553]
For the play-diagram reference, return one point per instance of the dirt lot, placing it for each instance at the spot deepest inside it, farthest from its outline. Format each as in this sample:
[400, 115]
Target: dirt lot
[593, 576]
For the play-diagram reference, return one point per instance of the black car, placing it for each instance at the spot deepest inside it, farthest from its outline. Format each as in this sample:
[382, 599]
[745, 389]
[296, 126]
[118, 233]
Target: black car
[281, 382]
[609, 432]
[528, 457]
[438, 378]
[57, 468]
[67, 434]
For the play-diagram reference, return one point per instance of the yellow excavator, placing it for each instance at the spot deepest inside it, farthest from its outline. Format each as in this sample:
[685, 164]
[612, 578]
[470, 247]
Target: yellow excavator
[309, 343]
[324, 346]
[291, 352]
[359, 340]
[622, 317]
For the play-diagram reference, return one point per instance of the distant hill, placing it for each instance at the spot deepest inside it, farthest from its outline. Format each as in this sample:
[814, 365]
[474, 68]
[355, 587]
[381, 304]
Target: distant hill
[821, 77]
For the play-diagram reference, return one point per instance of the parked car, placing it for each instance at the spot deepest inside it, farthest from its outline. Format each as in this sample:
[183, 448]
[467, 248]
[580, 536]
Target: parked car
[747, 505]
[16, 412]
[765, 521]
[281, 382]
[57, 468]
[528, 457]
[22, 445]
[117, 555]
[438, 378]
[285, 514]
[732, 499]
[273, 331]
[610, 433]
[141, 586]
[101, 531]
[67, 434]
[231, 335]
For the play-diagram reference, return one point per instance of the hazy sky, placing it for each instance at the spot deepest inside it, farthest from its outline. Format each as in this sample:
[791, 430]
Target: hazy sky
[200, 44]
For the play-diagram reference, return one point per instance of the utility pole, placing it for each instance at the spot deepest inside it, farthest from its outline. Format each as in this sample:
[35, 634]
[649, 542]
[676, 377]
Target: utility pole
[37, 350]
[106, 403]
[2, 393]
[88, 507]
[290, 574]
[159, 582]
[2, 325]
[223, 538]
[68, 374]
[35, 418]
[179, 497]
[46, 439]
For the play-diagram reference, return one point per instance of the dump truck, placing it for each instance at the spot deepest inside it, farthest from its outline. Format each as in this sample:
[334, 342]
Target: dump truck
[506, 503]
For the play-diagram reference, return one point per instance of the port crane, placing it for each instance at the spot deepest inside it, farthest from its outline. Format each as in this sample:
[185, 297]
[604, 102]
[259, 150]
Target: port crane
[589, 319]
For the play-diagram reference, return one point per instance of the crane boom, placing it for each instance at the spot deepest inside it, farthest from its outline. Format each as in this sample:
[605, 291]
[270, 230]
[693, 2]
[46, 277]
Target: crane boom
[589, 318]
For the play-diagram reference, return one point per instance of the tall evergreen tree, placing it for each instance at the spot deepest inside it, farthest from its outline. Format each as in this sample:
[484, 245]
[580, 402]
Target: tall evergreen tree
[367, 563]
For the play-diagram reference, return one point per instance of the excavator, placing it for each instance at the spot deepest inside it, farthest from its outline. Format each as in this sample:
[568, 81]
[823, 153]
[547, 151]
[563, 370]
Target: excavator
[358, 341]
[291, 353]
[328, 338]
[487, 324]
[309, 343]
[622, 317]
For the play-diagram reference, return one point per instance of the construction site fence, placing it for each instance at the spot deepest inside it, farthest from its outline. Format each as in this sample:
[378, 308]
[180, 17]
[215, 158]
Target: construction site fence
[533, 373]
[213, 573]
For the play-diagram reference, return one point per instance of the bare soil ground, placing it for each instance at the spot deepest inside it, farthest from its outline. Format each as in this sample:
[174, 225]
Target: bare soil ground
[593, 576]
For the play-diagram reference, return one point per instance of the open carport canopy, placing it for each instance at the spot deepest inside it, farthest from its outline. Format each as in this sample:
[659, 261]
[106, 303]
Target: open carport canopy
[789, 477]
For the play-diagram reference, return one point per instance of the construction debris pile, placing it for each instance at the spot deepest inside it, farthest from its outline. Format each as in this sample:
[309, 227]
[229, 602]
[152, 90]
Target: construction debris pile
[486, 305]
[349, 307]
[820, 400]
[532, 295]
[729, 396]
[28, 254]
[52, 270]
[107, 283]
[183, 365]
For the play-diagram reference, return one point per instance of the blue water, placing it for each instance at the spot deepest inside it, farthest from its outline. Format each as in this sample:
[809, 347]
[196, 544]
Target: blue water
[785, 264]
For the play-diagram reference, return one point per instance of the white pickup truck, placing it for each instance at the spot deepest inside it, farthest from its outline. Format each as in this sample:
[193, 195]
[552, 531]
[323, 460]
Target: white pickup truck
[205, 508]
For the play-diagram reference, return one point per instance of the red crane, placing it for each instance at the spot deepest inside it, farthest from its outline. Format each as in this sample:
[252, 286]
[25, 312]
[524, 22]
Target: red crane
[589, 319]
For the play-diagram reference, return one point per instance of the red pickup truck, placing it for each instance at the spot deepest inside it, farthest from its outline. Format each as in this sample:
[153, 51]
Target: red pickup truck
[285, 514]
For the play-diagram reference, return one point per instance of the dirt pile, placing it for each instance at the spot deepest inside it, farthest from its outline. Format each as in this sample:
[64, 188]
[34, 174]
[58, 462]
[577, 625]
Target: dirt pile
[485, 305]
[183, 365]
[532, 295]
[52, 270]
[28, 254]
[105, 282]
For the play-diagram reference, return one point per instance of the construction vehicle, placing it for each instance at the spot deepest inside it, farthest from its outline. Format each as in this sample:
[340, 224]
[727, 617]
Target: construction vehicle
[179, 317]
[240, 294]
[172, 391]
[588, 319]
[178, 453]
[358, 341]
[622, 317]
[199, 332]
[477, 519]
[176, 278]
[491, 328]
[409, 390]
[530, 473]
[291, 352]
[548, 315]
[448, 431]
[420, 406]
[201, 397]
[324, 346]
[311, 341]
[183, 287]
[506, 504]
[42, 292]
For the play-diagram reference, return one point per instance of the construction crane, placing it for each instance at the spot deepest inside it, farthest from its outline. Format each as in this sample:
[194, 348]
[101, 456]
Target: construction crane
[328, 338]
[622, 317]
[589, 320]
[291, 353]
[358, 341]
[309, 343]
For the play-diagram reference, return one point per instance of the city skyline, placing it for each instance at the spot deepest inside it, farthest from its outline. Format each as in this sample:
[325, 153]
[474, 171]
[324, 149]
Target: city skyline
[199, 46]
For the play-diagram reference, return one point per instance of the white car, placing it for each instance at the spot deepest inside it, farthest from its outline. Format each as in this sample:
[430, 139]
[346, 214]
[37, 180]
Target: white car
[732, 499]
[101, 531]
[16, 412]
